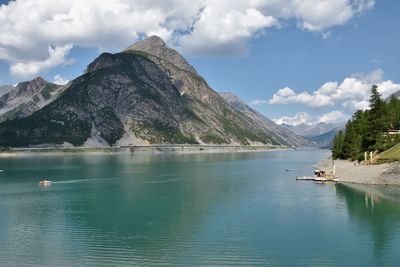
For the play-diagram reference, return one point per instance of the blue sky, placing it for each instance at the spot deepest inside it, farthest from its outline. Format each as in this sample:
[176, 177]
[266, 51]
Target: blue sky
[276, 56]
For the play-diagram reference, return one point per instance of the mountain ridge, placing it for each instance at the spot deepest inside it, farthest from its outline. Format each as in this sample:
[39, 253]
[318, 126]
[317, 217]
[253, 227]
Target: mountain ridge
[321, 134]
[290, 137]
[138, 96]
[28, 97]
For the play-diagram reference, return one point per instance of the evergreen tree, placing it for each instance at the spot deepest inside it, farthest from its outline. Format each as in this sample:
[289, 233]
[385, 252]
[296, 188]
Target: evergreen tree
[337, 151]
[378, 118]
[394, 113]
[366, 129]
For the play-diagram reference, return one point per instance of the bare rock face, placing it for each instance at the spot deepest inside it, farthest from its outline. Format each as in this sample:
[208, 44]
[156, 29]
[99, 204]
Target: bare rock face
[28, 97]
[148, 94]
[280, 133]
[23, 90]
[155, 46]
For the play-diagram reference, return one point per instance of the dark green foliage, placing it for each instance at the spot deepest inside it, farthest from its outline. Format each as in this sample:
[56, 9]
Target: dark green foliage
[244, 135]
[35, 130]
[367, 130]
[211, 138]
[16, 112]
[109, 125]
[47, 90]
[158, 132]
[338, 142]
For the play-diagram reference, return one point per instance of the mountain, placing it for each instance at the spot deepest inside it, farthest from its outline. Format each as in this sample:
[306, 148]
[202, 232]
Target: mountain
[155, 46]
[146, 94]
[269, 126]
[325, 140]
[397, 95]
[306, 130]
[28, 97]
[321, 134]
[4, 89]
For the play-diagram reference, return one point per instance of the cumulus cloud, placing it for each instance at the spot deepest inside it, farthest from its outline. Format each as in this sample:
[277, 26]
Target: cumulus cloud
[58, 79]
[352, 93]
[220, 31]
[31, 68]
[335, 116]
[299, 118]
[331, 117]
[29, 27]
[287, 95]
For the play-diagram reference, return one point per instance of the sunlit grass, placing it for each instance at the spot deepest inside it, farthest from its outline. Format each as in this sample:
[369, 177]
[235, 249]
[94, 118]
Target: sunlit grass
[391, 154]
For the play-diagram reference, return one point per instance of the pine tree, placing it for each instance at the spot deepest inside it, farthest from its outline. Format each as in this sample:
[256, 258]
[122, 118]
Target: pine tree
[375, 100]
[338, 145]
[366, 129]
[378, 117]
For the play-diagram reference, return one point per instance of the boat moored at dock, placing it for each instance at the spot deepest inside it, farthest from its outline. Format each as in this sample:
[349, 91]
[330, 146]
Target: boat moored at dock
[319, 176]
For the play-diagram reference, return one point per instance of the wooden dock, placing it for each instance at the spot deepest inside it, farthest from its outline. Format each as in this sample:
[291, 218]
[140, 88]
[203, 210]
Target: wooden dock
[317, 179]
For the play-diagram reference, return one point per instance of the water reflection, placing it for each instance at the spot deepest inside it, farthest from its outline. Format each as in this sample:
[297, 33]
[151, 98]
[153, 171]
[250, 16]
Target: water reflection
[139, 210]
[375, 208]
[199, 209]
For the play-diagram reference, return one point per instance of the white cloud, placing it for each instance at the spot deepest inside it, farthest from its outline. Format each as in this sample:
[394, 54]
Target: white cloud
[352, 93]
[299, 118]
[221, 31]
[58, 79]
[326, 35]
[31, 68]
[29, 27]
[334, 117]
[287, 95]
[331, 117]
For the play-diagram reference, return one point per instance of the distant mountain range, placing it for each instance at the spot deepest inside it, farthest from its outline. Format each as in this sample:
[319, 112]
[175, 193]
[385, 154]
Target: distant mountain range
[146, 94]
[397, 94]
[284, 133]
[306, 130]
[4, 89]
[321, 133]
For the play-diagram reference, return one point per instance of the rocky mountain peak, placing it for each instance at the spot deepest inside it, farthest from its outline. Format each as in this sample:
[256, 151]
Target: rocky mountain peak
[152, 42]
[38, 82]
[28, 88]
[155, 46]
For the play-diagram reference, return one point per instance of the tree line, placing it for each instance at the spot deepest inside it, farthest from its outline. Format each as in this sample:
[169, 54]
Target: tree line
[368, 130]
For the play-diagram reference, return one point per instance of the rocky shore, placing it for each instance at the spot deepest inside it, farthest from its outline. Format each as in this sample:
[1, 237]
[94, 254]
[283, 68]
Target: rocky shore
[351, 172]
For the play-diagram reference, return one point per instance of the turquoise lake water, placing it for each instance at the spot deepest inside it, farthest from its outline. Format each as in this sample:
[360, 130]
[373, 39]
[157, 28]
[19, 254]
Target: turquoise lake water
[190, 210]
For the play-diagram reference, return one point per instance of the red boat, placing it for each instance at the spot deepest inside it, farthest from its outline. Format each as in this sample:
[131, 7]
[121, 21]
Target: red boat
[44, 182]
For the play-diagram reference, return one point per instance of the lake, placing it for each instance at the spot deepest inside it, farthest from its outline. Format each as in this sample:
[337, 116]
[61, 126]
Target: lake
[189, 210]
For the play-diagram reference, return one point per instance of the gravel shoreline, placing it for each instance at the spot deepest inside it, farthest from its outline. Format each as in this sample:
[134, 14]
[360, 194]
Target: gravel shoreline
[174, 149]
[350, 172]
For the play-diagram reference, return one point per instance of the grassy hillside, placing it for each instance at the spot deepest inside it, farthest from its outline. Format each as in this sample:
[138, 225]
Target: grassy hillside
[391, 154]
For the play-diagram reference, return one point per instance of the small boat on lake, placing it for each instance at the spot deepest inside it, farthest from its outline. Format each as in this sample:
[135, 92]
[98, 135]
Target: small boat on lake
[44, 182]
[319, 176]
[290, 170]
